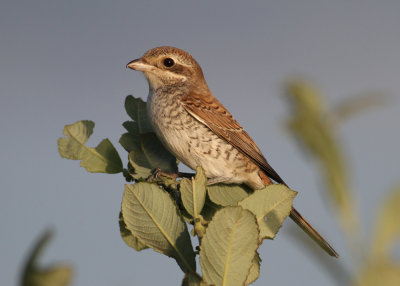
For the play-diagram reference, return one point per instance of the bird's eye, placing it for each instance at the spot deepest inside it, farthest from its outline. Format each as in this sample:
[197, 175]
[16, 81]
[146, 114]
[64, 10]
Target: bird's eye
[168, 62]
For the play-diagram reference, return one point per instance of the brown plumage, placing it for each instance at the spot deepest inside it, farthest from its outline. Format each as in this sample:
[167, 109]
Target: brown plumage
[208, 110]
[199, 130]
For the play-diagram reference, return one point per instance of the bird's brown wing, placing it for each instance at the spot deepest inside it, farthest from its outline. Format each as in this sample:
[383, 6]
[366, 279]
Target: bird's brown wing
[209, 111]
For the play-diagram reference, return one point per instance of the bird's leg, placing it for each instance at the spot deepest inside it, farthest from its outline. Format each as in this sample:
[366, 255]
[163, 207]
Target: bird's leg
[157, 173]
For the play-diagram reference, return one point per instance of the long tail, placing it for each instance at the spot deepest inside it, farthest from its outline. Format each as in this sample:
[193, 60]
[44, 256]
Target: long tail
[307, 228]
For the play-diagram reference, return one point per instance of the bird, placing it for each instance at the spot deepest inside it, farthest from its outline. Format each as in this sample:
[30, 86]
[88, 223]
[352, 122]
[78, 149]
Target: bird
[199, 131]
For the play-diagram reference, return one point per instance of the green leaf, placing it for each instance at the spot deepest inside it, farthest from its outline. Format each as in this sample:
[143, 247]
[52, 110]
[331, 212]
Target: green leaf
[352, 106]
[128, 237]
[387, 230]
[102, 159]
[146, 152]
[209, 209]
[152, 216]
[229, 246]
[379, 272]
[153, 155]
[193, 192]
[312, 124]
[271, 206]
[140, 165]
[227, 195]
[254, 271]
[132, 127]
[193, 279]
[130, 141]
[136, 109]
[33, 275]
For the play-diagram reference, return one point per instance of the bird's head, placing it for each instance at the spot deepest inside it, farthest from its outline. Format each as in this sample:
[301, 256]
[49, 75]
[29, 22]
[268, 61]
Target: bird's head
[169, 66]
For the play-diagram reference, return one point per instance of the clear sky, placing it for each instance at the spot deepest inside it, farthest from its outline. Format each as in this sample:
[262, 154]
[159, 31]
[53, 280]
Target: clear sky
[63, 61]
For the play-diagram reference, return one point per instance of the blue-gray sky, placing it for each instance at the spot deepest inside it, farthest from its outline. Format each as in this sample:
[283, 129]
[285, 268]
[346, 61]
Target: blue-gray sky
[62, 61]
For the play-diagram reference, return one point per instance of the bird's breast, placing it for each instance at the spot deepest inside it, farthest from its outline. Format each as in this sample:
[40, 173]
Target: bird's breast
[193, 143]
[174, 126]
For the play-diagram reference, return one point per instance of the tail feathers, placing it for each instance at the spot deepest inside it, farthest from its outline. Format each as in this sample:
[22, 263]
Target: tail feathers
[307, 228]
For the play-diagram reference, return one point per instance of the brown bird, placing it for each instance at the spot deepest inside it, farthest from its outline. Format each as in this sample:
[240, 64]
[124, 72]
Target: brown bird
[196, 128]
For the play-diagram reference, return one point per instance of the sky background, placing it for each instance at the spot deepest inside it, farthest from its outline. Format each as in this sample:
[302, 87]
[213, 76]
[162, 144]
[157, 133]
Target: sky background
[63, 61]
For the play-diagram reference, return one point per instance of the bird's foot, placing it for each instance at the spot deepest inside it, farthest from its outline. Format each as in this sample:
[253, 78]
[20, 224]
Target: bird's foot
[157, 174]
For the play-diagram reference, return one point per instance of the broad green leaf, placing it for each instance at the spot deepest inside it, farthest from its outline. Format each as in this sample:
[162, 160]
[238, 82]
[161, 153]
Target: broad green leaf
[379, 272]
[132, 127]
[34, 275]
[140, 166]
[151, 154]
[151, 215]
[254, 271]
[387, 229]
[128, 237]
[193, 192]
[271, 206]
[209, 209]
[227, 195]
[229, 246]
[136, 109]
[193, 279]
[130, 141]
[102, 159]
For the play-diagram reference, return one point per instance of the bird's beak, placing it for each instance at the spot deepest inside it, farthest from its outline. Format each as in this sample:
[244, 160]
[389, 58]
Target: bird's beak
[139, 65]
